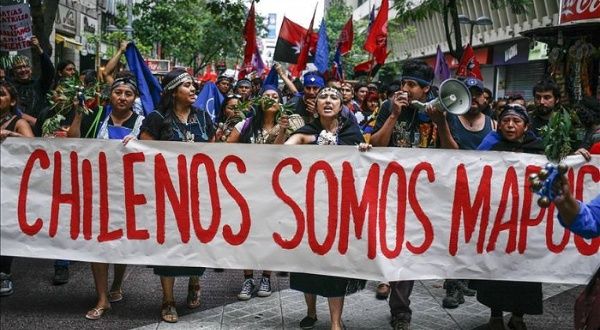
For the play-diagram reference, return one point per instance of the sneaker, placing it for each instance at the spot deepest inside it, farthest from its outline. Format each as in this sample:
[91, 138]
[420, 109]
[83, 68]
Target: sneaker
[264, 289]
[6, 285]
[464, 287]
[454, 295]
[399, 324]
[61, 275]
[247, 289]
[308, 322]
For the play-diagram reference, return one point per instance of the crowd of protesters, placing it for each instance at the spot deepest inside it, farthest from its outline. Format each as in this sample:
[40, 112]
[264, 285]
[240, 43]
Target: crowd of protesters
[318, 112]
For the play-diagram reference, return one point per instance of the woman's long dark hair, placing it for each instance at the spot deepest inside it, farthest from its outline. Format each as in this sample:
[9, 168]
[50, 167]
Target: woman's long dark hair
[14, 95]
[167, 104]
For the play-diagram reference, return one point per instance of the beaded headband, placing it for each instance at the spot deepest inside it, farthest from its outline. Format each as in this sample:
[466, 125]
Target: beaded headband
[330, 89]
[125, 81]
[177, 81]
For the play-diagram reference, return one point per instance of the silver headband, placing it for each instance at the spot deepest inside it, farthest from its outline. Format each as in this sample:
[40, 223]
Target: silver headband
[177, 81]
[329, 89]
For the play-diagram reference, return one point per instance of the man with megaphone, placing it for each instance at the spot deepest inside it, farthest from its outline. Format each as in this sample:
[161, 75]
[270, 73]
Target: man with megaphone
[461, 131]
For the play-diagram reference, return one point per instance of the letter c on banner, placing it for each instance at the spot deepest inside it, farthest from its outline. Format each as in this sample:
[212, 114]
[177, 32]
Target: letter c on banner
[42, 156]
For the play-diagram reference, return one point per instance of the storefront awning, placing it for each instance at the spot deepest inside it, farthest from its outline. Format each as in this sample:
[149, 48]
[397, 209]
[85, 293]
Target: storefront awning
[68, 42]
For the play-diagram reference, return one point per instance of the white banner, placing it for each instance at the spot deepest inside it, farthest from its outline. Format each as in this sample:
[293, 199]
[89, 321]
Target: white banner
[15, 27]
[389, 213]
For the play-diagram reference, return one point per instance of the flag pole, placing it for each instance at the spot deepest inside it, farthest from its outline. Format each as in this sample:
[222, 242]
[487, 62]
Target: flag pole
[371, 57]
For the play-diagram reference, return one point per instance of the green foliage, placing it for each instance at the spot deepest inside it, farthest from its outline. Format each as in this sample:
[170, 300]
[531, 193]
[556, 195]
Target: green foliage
[70, 93]
[559, 136]
[194, 32]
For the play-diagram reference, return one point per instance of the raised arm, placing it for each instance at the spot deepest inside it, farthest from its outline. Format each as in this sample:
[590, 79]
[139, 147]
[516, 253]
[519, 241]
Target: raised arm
[110, 67]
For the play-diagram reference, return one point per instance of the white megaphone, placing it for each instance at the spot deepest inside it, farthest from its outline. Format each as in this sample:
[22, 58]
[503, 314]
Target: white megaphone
[454, 97]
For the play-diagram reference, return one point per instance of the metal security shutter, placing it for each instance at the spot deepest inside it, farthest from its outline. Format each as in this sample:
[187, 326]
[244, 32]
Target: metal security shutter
[520, 78]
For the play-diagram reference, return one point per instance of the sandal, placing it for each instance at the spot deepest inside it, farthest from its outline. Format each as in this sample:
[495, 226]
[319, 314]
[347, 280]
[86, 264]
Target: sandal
[193, 297]
[168, 313]
[383, 291]
[96, 313]
[115, 296]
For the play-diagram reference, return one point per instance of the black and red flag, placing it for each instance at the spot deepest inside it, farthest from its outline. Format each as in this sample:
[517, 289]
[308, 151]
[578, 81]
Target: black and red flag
[376, 42]
[346, 38]
[290, 42]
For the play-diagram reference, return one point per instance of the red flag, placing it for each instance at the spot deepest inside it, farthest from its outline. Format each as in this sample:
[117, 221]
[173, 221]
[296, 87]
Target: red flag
[365, 66]
[303, 57]
[346, 38]
[469, 66]
[251, 45]
[289, 42]
[376, 42]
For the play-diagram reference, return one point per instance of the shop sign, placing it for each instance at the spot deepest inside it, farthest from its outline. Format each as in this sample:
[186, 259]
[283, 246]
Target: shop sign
[511, 53]
[539, 51]
[66, 20]
[88, 24]
[579, 11]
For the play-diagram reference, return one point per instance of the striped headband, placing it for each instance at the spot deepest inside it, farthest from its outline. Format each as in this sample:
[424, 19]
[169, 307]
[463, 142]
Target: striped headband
[125, 81]
[177, 81]
[330, 89]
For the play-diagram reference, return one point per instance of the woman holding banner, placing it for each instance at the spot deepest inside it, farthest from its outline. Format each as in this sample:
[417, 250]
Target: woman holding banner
[11, 124]
[177, 120]
[262, 128]
[329, 129]
[519, 298]
[124, 124]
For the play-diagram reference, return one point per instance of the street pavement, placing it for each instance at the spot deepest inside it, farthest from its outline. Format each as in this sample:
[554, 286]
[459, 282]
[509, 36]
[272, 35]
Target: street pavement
[37, 304]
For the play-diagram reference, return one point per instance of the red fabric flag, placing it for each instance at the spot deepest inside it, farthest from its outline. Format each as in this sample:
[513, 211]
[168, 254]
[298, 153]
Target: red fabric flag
[289, 42]
[251, 46]
[304, 52]
[346, 38]
[469, 66]
[376, 42]
[365, 66]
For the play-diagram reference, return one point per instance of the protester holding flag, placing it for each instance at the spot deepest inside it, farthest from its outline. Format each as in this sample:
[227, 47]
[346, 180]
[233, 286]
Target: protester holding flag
[177, 120]
[330, 128]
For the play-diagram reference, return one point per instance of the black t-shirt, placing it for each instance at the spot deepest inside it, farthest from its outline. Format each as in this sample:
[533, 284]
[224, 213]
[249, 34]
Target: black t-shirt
[408, 124]
[167, 128]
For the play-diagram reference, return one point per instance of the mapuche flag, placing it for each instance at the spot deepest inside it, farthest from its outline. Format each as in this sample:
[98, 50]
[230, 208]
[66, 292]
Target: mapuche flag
[290, 41]
[346, 38]
[469, 66]
[376, 42]
[252, 59]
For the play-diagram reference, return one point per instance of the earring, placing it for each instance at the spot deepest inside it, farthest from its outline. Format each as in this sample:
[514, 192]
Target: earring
[316, 115]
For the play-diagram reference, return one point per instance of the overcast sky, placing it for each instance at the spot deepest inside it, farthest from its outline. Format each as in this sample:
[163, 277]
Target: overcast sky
[297, 11]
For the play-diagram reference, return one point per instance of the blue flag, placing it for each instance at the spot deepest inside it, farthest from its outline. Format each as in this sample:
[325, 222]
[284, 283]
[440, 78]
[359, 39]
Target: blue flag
[147, 84]
[442, 72]
[210, 100]
[322, 52]
[371, 19]
[337, 65]
[272, 78]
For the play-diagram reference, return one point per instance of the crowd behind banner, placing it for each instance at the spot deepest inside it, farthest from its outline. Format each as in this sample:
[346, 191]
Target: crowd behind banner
[63, 103]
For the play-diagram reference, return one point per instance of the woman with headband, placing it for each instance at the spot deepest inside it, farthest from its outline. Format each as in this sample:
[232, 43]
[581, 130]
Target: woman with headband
[329, 128]
[122, 123]
[519, 298]
[262, 128]
[176, 119]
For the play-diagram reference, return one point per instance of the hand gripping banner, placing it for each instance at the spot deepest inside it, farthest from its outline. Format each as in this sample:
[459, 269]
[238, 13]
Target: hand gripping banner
[389, 213]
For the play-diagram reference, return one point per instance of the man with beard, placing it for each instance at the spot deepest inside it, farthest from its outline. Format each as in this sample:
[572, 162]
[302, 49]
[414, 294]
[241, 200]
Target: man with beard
[463, 132]
[546, 97]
